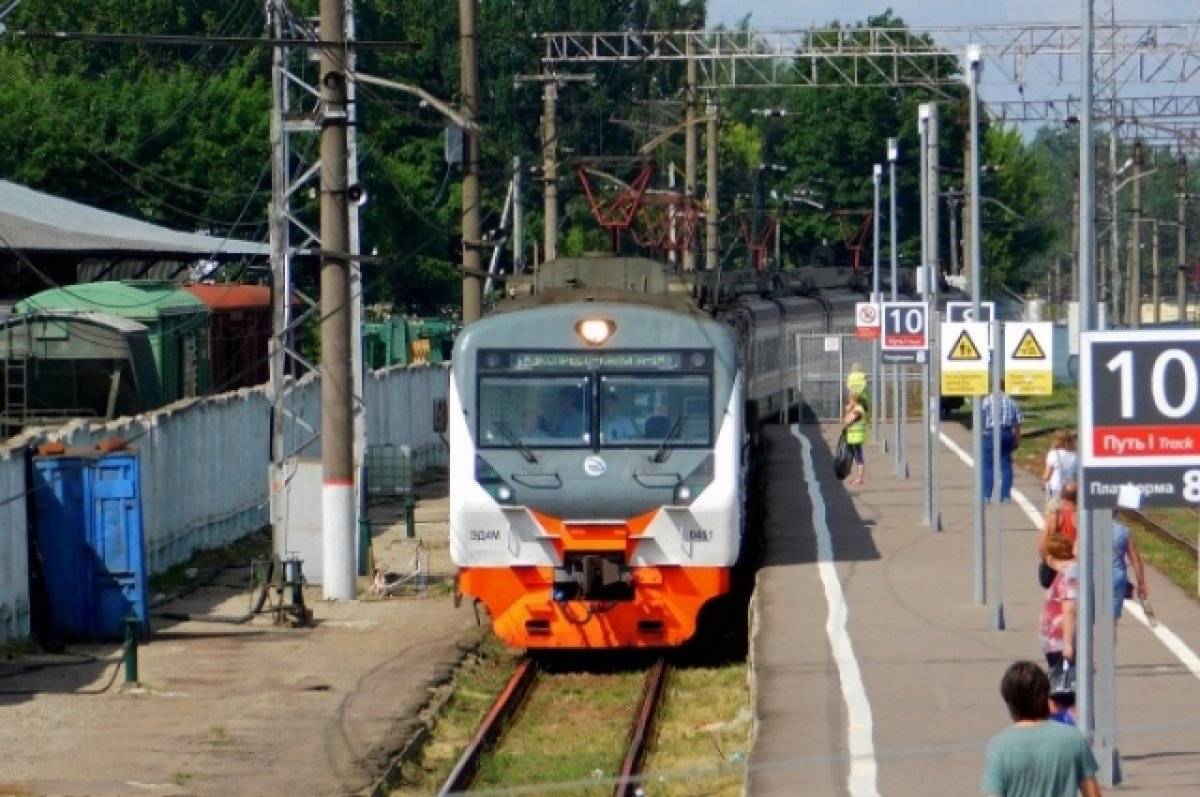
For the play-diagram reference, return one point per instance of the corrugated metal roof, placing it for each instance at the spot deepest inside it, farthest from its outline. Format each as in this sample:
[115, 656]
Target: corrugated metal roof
[136, 300]
[32, 221]
[232, 297]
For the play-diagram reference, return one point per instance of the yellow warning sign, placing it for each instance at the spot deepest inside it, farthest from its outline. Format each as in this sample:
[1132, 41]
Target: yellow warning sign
[1028, 383]
[1028, 348]
[964, 383]
[964, 348]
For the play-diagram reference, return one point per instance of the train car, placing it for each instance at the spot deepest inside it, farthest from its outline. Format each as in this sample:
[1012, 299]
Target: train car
[176, 324]
[56, 365]
[239, 333]
[596, 459]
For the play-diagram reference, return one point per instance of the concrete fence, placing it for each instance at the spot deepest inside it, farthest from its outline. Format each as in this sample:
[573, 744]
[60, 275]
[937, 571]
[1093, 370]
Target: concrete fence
[204, 465]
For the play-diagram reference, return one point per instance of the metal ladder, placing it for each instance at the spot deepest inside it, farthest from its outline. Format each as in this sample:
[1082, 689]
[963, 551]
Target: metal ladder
[16, 387]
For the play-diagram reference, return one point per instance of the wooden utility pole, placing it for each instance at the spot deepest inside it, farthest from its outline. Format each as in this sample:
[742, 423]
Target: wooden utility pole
[690, 137]
[472, 262]
[550, 167]
[713, 218]
[337, 384]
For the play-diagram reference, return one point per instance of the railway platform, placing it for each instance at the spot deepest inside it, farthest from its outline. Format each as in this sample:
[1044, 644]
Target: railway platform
[875, 670]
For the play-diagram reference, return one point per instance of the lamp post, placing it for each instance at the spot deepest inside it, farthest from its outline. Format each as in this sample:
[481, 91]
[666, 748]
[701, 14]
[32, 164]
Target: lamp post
[975, 62]
[893, 154]
[877, 177]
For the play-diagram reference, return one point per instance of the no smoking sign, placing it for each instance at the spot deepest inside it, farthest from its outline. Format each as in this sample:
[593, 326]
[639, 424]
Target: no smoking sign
[866, 320]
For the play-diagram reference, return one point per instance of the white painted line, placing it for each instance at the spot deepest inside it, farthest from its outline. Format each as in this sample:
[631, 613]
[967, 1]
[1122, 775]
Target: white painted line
[1187, 657]
[863, 768]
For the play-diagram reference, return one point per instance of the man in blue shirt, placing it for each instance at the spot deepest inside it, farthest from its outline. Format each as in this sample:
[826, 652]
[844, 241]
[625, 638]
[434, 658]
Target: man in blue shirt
[1009, 424]
[1036, 757]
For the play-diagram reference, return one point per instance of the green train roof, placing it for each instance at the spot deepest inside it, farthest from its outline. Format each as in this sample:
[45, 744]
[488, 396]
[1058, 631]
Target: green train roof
[138, 300]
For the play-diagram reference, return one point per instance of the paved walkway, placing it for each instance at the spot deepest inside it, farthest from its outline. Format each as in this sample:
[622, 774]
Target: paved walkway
[242, 709]
[876, 672]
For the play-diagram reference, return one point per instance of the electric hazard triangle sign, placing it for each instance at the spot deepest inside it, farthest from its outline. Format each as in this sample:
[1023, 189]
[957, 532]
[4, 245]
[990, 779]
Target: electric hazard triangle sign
[964, 348]
[1028, 348]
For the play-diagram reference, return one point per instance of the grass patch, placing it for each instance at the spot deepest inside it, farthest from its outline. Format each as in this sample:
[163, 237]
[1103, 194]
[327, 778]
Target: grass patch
[237, 554]
[17, 647]
[703, 735]
[573, 728]
[1168, 560]
[475, 689]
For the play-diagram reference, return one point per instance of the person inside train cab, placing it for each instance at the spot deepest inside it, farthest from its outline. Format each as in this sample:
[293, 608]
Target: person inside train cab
[568, 417]
[614, 424]
[532, 422]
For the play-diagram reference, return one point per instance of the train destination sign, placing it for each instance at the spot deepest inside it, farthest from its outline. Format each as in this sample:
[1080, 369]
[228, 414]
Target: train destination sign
[1028, 367]
[964, 358]
[1139, 422]
[492, 359]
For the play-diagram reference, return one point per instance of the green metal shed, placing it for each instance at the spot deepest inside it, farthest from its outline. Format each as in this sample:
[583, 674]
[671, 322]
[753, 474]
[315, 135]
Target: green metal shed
[175, 320]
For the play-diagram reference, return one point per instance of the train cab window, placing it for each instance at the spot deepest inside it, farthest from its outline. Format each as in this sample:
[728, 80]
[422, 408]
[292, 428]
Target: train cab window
[534, 411]
[644, 409]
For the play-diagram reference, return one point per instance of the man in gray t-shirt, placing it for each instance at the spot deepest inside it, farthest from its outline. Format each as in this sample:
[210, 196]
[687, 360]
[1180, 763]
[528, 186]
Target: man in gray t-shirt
[1036, 757]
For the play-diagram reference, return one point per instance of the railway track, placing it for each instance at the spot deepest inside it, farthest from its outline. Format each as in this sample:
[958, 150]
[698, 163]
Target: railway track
[515, 694]
[1162, 532]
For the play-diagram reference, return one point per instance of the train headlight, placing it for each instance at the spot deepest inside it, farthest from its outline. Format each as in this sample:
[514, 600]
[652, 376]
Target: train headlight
[595, 331]
[504, 494]
[695, 482]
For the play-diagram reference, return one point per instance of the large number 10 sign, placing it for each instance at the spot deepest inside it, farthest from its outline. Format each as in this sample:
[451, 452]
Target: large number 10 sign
[1140, 416]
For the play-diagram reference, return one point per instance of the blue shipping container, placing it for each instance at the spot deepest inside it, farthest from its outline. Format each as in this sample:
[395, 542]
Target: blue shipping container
[89, 535]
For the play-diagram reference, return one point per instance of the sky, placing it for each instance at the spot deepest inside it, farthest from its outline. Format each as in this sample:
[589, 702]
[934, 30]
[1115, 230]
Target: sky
[783, 14]
[994, 85]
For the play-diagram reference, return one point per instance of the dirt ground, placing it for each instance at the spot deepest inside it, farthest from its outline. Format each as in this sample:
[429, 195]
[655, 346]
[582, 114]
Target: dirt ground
[253, 708]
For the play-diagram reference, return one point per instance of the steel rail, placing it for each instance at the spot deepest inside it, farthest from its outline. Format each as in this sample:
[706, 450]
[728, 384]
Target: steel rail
[493, 725]
[643, 724]
[1162, 532]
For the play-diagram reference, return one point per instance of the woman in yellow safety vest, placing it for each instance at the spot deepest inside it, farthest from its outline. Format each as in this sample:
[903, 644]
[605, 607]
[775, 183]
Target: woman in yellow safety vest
[855, 421]
[856, 385]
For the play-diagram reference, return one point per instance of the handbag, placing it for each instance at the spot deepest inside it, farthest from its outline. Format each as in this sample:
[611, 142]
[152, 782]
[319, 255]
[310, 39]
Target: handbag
[1046, 575]
[843, 460]
[1062, 679]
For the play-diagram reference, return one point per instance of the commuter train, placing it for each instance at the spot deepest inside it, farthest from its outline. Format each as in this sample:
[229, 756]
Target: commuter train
[599, 431]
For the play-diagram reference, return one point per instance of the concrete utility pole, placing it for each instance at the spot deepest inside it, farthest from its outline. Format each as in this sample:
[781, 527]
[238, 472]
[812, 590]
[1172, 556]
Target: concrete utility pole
[1134, 306]
[1075, 238]
[712, 225]
[472, 287]
[691, 138]
[1114, 233]
[337, 383]
[1156, 273]
[1181, 187]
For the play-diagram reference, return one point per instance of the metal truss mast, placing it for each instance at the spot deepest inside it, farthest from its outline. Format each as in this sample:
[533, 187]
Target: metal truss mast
[1150, 52]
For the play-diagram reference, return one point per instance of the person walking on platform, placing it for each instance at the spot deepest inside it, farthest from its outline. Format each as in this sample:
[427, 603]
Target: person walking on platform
[1124, 548]
[1006, 424]
[855, 421]
[1036, 757]
[1060, 610]
[1061, 462]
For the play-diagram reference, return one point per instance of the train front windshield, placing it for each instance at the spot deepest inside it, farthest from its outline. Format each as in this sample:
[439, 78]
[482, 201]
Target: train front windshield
[614, 400]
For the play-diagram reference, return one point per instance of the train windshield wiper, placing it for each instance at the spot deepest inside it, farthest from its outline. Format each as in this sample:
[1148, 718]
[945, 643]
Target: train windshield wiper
[664, 450]
[508, 434]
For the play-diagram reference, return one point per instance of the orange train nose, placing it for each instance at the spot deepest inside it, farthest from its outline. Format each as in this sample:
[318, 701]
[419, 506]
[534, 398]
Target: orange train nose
[663, 612]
